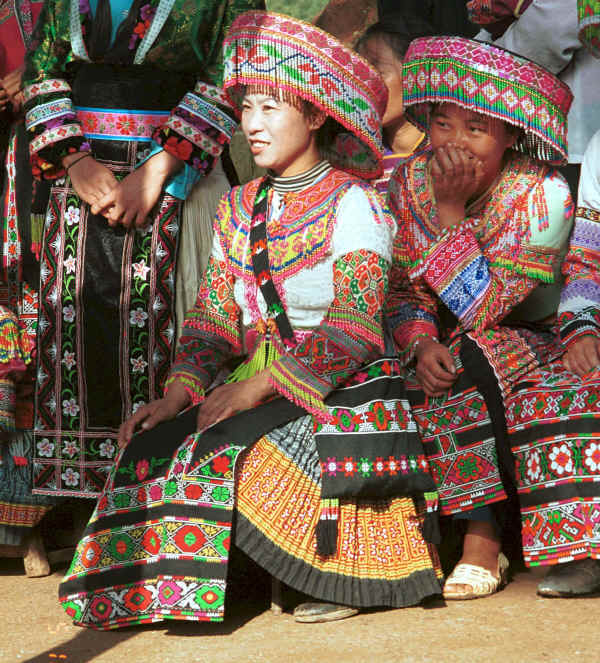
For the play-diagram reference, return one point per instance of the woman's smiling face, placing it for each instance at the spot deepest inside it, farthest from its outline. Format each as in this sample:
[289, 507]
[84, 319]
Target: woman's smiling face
[485, 138]
[282, 138]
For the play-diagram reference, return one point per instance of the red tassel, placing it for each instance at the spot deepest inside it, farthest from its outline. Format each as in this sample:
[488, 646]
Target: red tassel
[20, 461]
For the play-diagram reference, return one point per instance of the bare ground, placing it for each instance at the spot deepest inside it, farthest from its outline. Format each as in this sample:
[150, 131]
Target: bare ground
[512, 626]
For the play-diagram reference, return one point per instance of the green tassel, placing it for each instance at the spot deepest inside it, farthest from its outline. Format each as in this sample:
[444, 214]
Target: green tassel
[263, 357]
[37, 230]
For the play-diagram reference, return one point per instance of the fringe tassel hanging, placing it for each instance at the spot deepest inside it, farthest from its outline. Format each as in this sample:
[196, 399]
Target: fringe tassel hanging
[327, 527]
[37, 230]
[431, 524]
[266, 353]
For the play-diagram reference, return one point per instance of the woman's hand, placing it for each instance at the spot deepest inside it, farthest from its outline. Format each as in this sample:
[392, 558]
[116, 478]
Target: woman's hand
[130, 202]
[148, 416]
[90, 179]
[435, 370]
[455, 175]
[4, 98]
[583, 356]
[226, 400]
[12, 83]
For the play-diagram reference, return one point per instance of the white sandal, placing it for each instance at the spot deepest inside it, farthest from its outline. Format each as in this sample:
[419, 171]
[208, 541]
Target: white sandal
[480, 581]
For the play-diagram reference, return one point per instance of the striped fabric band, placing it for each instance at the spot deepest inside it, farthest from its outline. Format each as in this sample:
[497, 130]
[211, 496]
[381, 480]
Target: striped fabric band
[49, 111]
[45, 87]
[299, 182]
[119, 124]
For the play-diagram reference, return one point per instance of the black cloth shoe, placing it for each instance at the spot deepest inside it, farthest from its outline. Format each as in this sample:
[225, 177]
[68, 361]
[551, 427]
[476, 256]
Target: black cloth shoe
[571, 579]
[322, 612]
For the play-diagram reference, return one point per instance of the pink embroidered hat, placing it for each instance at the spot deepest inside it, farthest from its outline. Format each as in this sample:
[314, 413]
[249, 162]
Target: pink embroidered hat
[492, 81]
[272, 51]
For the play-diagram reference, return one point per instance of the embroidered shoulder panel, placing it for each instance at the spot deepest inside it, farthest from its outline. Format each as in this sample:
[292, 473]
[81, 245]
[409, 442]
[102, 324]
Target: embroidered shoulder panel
[501, 222]
[301, 237]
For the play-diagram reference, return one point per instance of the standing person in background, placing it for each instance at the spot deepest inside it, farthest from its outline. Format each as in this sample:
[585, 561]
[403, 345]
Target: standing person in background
[483, 221]
[384, 45]
[554, 420]
[547, 32]
[446, 17]
[22, 208]
[124, 114]
[307, 458]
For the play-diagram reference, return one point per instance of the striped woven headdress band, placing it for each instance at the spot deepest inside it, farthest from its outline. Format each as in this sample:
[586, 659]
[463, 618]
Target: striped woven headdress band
[489, 80]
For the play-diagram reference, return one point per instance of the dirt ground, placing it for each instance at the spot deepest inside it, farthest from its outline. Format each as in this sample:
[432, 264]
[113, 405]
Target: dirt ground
[512, 626]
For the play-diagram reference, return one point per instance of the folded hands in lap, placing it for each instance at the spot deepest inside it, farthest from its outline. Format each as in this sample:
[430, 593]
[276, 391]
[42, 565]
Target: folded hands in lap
[221, 403]
[583, 356]
[435, 368]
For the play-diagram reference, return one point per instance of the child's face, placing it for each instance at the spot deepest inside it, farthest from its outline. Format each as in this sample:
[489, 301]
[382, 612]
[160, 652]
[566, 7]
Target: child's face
[383, 58]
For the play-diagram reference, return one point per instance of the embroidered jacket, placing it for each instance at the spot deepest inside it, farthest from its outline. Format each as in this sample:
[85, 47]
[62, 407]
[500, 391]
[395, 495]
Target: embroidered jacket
[580, 301]
[17, 18]
[183, 36]
[503, 253]
[330, 248]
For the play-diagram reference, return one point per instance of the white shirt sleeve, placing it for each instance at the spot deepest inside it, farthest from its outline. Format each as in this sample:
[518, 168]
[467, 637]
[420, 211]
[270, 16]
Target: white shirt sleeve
[546, 33]
[589, 184]
[552, 232]
[363, 223]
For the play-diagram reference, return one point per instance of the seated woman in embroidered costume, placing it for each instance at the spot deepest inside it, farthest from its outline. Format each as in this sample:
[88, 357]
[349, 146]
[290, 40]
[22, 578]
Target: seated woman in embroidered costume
[296, 282]
[483, 219]
[384, 45]
[553, 419]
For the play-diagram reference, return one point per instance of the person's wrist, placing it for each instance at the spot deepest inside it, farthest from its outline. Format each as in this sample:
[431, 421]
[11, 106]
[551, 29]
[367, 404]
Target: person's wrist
[163, 165]
[421, 344]
[450, 213]
[73, 158]
[177, 396]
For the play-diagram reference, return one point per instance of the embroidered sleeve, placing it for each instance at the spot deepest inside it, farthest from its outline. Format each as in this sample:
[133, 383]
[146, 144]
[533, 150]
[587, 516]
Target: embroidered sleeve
[411, 307]
[198, 128]
[350, 335]
[211, 330]
[482, 291]
[579, 310]
[50, 119]
[202, 123]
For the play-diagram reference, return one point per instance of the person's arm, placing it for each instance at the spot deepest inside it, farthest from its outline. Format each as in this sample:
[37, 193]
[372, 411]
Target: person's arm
[482, 291]
[211, 331]
[203, 122]
[52, 126]
[188, 143]
[579, 309]
[411, 307]
[546, 33]
[351, 333]
[211, 334]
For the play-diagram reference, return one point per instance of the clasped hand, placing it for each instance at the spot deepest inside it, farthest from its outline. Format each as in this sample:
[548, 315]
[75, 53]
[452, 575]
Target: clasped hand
[583, 356]
[11, 90]
[456, 176]
[129, 201]
[435, 369]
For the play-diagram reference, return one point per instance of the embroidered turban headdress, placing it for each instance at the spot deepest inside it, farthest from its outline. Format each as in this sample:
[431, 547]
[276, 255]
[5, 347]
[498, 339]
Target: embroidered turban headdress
[275, 52]
[492, 81]
[589, 24]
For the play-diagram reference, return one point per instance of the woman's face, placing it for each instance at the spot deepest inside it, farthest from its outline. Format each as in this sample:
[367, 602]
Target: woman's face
[383, 58]
[281, 138]
[480, 136]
